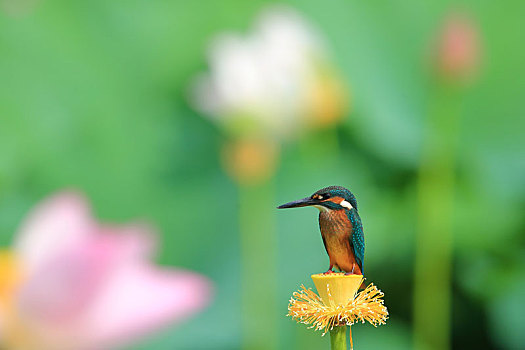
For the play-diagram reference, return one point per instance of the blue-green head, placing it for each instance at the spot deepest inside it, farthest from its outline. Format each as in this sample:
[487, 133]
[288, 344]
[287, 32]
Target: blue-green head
[328, 198]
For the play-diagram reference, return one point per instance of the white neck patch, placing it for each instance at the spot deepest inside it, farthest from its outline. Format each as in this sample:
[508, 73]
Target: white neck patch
[346, 205]
[321, 208]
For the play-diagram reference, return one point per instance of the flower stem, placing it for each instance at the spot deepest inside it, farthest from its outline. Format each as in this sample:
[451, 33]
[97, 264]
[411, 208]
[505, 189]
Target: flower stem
[350, 336]
[258, 265]
[338, 338]
[434, 241]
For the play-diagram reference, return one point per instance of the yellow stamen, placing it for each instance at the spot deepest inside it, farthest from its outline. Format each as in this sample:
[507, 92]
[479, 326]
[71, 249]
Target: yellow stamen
[9, 277]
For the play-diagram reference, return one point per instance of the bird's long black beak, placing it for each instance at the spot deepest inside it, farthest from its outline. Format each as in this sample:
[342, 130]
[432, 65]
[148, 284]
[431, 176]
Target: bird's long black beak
[305, 202]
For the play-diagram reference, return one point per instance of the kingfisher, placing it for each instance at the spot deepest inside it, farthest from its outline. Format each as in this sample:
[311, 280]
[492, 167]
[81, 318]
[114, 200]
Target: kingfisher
[340, 225]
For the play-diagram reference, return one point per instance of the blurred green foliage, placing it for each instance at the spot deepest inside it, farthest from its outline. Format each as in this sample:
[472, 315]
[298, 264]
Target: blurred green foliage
[93, 96]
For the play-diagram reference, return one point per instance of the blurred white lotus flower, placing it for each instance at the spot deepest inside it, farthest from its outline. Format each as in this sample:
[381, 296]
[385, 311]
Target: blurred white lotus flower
[71, 283]
[278, 79]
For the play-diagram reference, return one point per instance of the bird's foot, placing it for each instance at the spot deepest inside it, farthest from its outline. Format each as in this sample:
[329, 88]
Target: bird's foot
[328, 272]
[351, 272]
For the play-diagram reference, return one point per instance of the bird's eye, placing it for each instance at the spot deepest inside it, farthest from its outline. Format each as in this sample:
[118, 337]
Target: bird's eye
[320, 196]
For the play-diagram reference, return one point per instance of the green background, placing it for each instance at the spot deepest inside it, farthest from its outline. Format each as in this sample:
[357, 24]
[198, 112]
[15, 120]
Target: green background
[93, 96]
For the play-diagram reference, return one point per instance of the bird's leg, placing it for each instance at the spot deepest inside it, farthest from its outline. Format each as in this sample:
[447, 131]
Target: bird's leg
[351, 272]
[329, 270]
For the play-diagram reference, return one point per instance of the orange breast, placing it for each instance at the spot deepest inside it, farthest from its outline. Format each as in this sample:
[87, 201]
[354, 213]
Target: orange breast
[336, 230]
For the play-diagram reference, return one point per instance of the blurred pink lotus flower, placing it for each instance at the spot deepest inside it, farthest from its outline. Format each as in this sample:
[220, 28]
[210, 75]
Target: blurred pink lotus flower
[79, 284]
[458, 47]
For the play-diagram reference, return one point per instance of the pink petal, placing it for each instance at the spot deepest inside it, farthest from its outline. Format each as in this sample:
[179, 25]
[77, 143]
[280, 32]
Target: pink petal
[134, 241]
[141, 298]
[63, 287]
[54, 225]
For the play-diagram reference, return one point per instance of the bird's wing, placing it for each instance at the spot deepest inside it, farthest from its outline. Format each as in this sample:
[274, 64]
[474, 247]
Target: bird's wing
[357, 241]
[325, 247]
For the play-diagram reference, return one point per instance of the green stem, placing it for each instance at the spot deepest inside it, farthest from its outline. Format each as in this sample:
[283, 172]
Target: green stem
[433, 260]
[338, 338]
[258, 265]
